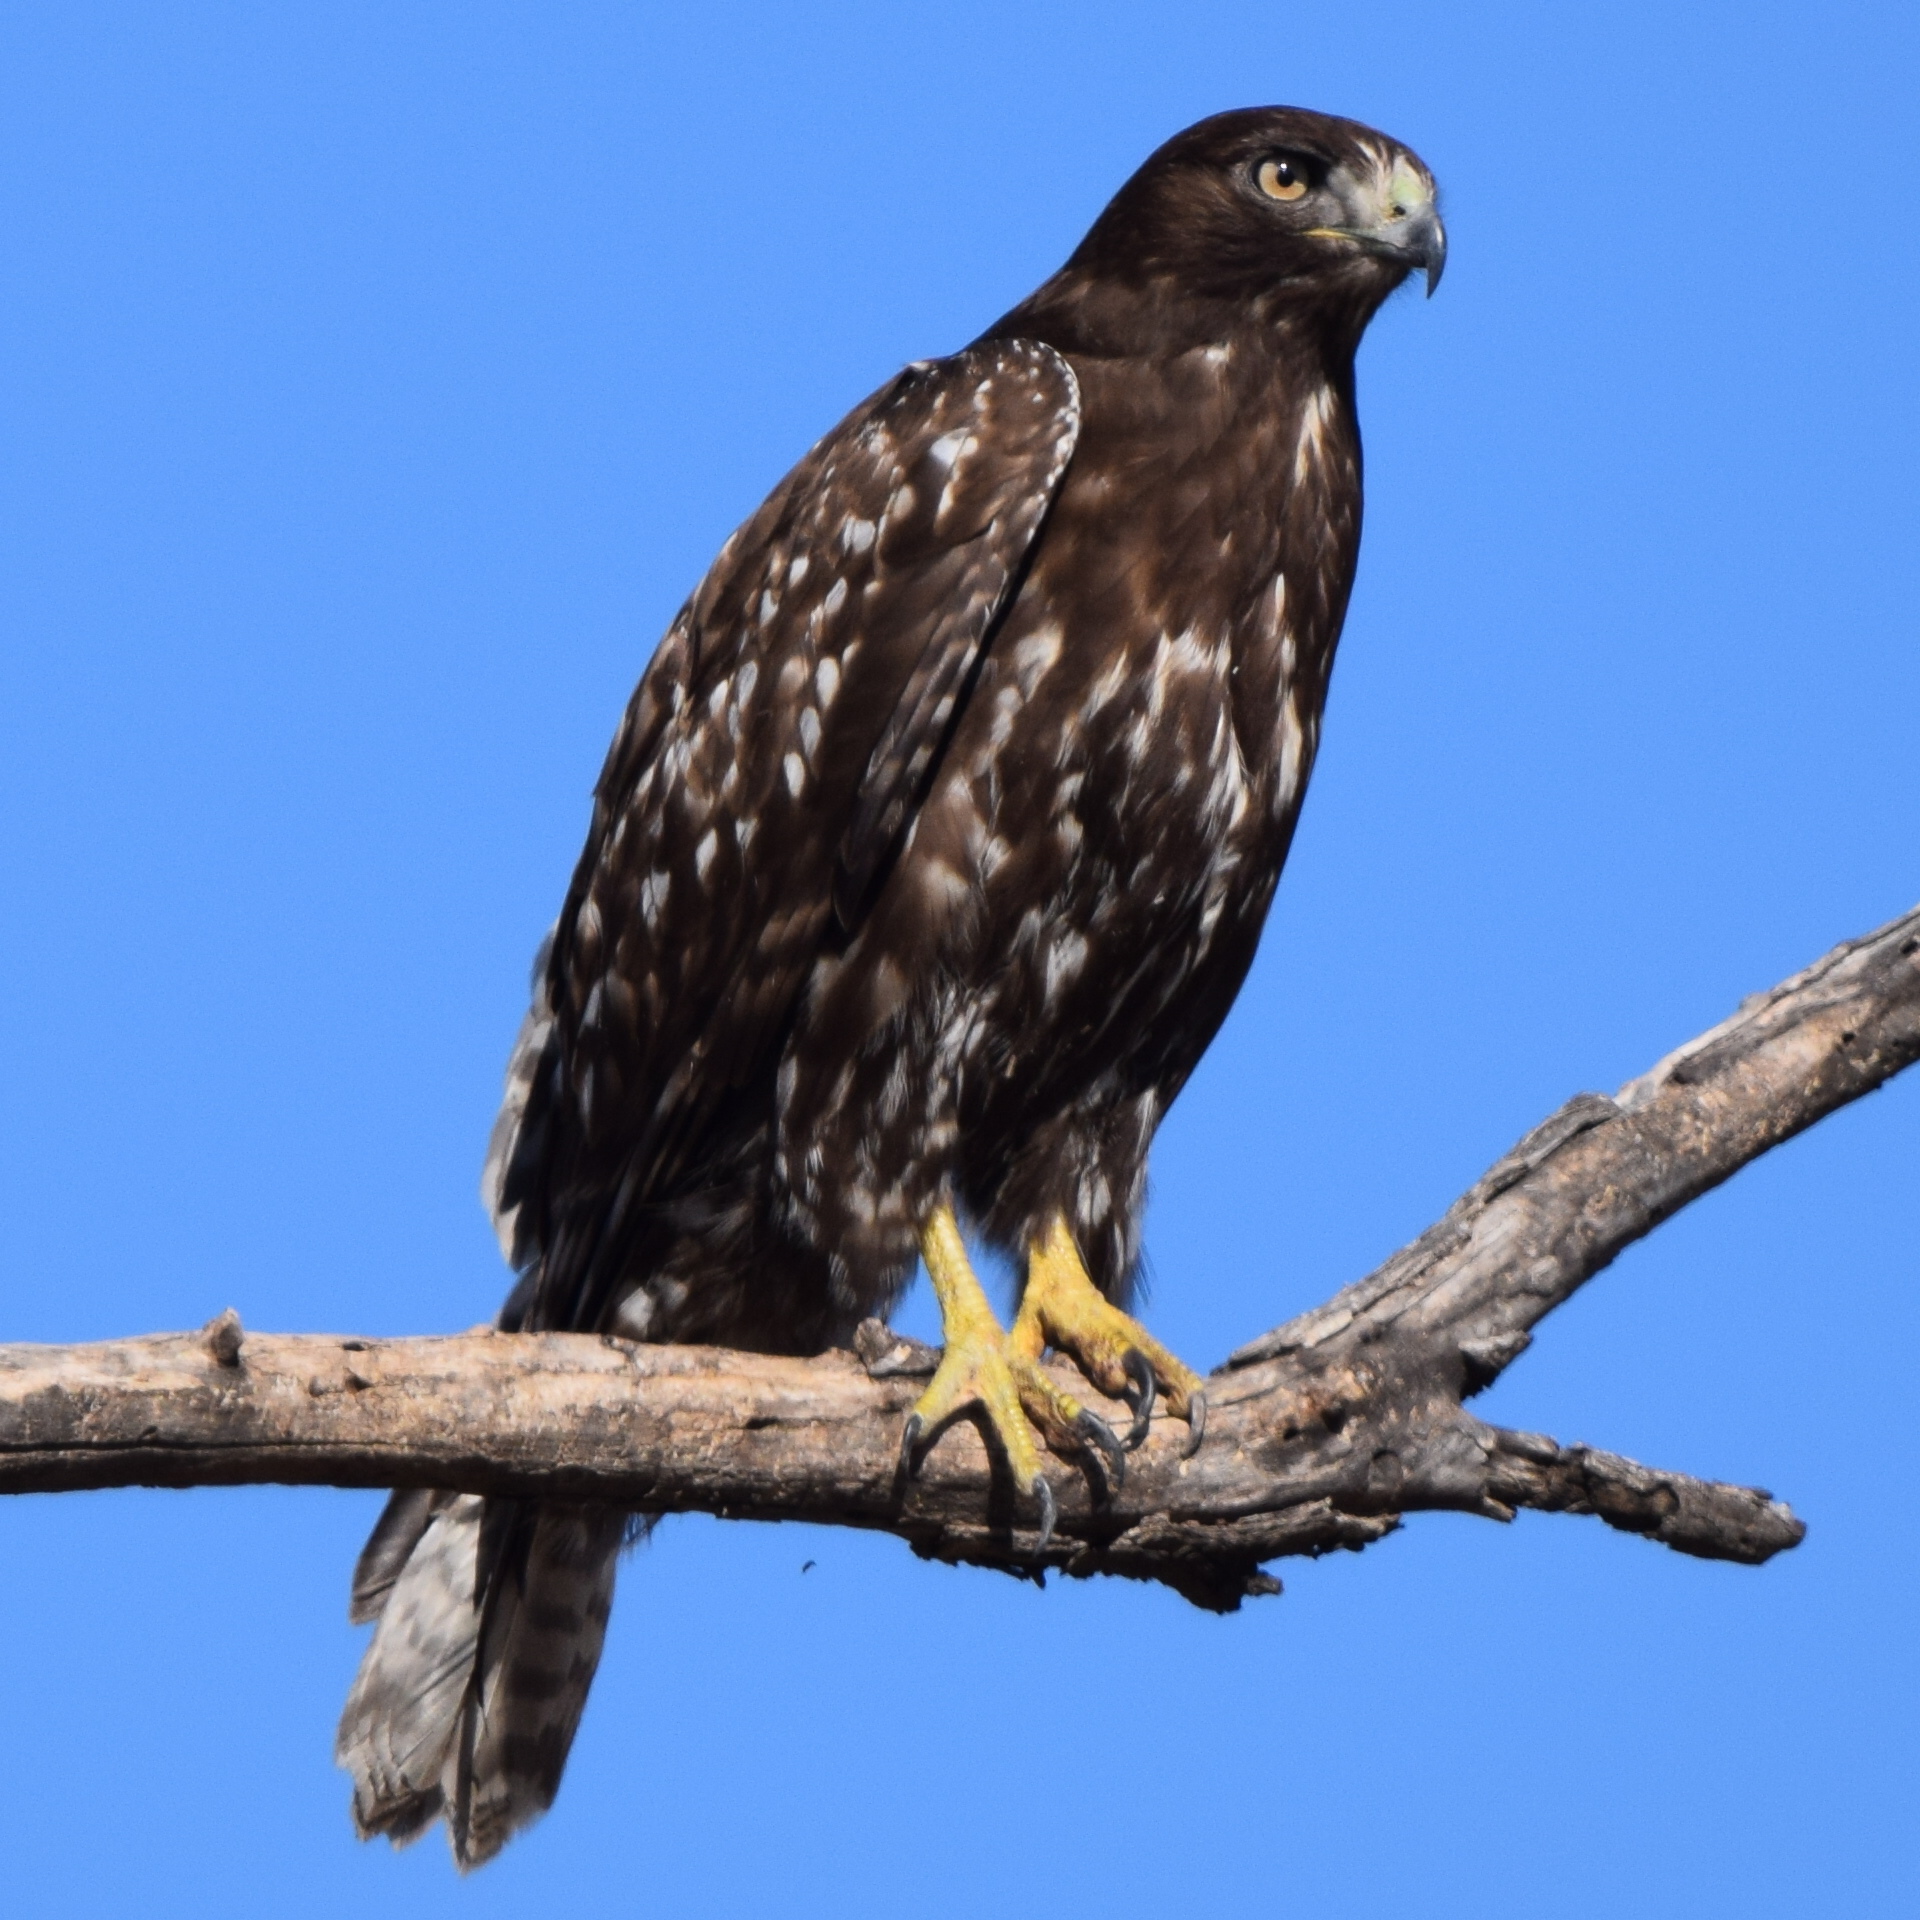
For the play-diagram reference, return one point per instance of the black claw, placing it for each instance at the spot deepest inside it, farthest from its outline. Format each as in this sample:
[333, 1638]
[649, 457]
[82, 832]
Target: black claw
[909, 1440]
[1140, 1377]
[1048, 1514]
[1104, 1449]
[1196, 1424]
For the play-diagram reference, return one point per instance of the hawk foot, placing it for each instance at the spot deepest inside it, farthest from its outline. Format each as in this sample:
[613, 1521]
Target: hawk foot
[1063, 1309]
[983, 1369]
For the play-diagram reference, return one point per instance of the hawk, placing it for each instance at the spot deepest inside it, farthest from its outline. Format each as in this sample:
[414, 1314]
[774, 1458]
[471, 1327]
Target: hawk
[928, 857]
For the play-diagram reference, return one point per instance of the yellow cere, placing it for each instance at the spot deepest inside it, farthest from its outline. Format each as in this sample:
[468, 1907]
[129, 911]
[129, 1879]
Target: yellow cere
[1408, 191]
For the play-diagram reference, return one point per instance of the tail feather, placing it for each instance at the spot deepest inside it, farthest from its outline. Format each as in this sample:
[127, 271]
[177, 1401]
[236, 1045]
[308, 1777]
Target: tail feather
[546, 1620]
[406, 1702]
[491, 1616]
[406, 1516]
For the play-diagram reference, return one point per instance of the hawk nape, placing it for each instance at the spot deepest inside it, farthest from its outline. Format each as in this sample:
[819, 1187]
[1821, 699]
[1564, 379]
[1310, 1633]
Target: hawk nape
[927, 859]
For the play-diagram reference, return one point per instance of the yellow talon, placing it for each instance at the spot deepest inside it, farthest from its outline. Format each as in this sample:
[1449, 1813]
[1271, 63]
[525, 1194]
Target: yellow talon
[998, 1372]
[983, 1366]
[1063, 1309]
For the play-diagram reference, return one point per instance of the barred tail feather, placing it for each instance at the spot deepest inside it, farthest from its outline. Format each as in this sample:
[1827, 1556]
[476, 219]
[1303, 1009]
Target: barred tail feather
[491, 1616]
[403, 1712]
[546, 1621]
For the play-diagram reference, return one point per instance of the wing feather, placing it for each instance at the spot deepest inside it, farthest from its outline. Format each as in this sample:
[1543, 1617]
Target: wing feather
[762, 780]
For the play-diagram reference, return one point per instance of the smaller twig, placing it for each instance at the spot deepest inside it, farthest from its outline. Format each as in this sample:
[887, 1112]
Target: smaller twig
[1701, 1517]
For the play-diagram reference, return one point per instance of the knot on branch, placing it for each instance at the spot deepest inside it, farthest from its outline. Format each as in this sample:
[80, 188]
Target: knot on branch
[223, 1337]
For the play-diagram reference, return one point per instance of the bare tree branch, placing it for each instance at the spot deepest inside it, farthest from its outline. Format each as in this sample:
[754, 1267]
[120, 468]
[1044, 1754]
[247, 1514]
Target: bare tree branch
[1320, 1435]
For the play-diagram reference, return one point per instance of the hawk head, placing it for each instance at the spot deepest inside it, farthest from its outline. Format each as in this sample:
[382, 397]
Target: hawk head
[1273, 200]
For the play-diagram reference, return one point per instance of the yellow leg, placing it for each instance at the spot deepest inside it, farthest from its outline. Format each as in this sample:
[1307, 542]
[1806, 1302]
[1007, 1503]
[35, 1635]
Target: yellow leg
[1062, 1308]
[982, 1367]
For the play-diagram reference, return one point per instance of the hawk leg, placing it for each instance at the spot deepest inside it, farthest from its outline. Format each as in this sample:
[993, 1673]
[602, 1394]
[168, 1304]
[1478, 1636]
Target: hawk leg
[1063, 1309]
[986, 1368]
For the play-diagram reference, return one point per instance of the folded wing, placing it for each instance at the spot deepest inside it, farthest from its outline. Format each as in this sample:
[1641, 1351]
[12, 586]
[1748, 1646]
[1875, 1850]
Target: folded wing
[762, 781]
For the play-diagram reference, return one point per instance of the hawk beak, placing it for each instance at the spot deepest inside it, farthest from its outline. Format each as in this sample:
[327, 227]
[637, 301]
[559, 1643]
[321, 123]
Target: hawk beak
[1426, 245]
[1416, 239]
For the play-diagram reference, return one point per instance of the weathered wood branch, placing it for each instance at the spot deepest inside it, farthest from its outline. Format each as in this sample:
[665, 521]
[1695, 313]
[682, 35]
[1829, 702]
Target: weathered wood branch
[1321, 1434]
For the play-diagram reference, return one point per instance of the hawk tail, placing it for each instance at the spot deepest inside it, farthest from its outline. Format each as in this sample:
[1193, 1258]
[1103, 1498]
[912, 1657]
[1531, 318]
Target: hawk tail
[490, 1616]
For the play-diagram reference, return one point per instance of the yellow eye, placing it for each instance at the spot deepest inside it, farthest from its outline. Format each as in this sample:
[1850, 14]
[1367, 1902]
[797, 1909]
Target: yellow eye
[1281, 179]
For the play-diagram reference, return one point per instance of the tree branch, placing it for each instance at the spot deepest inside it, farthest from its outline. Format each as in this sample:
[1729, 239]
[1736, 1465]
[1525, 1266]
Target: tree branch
[1320, 1434]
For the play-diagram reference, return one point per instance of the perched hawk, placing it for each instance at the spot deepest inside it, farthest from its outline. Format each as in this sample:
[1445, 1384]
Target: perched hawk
[927, 859]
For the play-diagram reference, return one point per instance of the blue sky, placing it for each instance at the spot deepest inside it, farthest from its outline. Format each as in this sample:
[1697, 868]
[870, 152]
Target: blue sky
[375, 382]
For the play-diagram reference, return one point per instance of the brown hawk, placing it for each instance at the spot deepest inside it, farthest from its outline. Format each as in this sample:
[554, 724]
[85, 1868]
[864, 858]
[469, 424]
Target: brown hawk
[927, 859]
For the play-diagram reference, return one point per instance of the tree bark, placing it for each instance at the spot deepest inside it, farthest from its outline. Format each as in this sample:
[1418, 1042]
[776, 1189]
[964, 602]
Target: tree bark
[1320, 1434]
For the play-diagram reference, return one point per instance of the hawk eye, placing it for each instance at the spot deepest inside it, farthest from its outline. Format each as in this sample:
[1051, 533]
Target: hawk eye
[1281, 178]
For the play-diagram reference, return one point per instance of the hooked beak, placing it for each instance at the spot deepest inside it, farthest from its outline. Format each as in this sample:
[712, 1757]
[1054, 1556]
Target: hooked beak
[1420, 240]
[1397, 220]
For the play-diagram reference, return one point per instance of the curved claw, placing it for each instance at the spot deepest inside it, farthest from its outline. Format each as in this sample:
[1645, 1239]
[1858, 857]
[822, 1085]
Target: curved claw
[909, 1441]
[1049, 1513]
[1196, 1423]
[1104, 1447]
[1134, 1364]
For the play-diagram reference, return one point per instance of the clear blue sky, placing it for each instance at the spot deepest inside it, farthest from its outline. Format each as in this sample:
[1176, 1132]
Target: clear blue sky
[375, 381]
